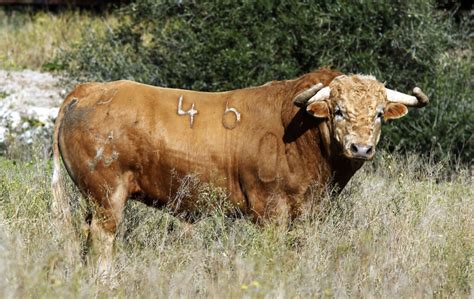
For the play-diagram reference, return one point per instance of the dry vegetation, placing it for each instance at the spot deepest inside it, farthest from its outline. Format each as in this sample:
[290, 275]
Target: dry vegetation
[34, 40]
[400, 229]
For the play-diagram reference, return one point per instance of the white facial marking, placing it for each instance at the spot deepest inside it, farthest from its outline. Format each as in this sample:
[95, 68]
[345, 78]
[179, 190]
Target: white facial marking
[191, 111]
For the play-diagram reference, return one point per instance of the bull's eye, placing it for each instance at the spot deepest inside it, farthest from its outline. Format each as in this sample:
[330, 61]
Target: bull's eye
[379, 115]
[338, 113]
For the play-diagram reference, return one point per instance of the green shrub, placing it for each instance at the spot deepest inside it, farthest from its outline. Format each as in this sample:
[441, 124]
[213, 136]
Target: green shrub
[225, 45]
[445, 128]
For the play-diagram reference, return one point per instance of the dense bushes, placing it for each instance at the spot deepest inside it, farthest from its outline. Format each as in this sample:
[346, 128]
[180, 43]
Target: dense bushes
[234, 44]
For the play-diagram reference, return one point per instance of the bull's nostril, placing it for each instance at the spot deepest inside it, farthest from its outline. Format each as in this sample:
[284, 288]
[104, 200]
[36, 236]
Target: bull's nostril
[369, 150]
[354, 148]
[361, 150]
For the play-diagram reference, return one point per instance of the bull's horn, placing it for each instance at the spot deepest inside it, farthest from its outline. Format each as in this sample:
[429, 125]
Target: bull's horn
[321, 95]
[418, 101]
[301, 100]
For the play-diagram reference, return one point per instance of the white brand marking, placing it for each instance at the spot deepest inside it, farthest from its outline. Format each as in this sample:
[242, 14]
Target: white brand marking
[231, 110]
[191, 111]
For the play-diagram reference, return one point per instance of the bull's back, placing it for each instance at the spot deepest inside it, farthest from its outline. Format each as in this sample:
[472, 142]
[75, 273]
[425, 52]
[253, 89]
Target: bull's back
[155, 136]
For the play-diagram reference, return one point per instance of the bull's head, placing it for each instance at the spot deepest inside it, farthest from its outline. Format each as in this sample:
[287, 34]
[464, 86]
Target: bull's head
[353, 108]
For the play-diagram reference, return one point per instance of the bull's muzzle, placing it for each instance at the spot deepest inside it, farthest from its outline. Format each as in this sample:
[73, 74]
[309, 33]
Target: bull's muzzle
[361, 151]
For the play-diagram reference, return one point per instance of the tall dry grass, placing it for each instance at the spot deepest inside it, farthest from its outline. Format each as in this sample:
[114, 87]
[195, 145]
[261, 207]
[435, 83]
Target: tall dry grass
[399, 229]
[34, 40]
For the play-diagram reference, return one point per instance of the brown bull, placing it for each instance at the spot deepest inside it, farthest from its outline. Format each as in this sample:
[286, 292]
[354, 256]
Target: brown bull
[265, 145]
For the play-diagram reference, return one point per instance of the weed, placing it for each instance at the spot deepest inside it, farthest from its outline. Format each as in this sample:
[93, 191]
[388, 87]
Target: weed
[401, 228]
[3, 94]
[34, 40]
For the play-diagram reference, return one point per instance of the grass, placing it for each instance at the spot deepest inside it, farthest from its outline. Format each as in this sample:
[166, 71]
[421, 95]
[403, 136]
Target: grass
[33, 40]
[399, 229]
[3, 94]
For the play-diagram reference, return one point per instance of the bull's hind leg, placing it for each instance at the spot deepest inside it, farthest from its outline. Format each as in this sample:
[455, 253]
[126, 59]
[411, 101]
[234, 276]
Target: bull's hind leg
[107, 215]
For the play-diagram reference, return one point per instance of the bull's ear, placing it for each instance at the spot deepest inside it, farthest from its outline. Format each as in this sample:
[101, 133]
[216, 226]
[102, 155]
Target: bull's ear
[394, 111]
[318, 109]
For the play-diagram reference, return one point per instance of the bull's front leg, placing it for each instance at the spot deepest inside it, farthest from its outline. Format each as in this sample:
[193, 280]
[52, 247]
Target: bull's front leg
[266, 203]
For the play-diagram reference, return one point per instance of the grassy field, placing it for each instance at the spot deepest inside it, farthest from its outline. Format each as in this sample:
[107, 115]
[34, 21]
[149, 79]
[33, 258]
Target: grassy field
[34, 40]
[403, 227]
[399, 229]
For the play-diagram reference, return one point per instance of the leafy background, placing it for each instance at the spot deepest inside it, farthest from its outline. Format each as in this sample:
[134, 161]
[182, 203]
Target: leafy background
[222, 45]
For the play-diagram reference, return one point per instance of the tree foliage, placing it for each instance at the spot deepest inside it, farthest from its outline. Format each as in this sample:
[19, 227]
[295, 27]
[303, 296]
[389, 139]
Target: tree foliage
[222, 45]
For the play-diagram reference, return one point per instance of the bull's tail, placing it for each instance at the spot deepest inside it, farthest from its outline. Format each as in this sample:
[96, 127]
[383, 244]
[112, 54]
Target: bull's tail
[60, 208]
[60, 205]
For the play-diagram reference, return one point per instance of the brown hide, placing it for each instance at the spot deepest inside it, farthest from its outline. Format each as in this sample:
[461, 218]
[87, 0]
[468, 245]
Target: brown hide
[130, 137]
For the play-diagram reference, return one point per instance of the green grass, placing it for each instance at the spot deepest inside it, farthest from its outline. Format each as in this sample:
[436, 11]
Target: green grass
[401, 228]
[33, 40]
[3, 94]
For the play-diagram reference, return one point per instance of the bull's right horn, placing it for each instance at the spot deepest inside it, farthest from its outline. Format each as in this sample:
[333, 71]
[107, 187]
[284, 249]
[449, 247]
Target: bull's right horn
[301, 100]
[417, 101]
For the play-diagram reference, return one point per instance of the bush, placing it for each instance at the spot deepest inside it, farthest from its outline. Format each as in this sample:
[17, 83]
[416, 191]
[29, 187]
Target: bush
[234, 44]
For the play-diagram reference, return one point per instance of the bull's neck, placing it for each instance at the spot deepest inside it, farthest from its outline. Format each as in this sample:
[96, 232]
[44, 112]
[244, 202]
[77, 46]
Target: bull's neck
[322, 161]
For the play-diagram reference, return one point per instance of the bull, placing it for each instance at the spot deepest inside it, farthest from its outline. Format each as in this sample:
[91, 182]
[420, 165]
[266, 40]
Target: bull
[265, 145]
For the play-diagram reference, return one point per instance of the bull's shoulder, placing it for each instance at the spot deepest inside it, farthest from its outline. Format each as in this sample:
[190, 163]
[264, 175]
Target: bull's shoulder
[323, 75]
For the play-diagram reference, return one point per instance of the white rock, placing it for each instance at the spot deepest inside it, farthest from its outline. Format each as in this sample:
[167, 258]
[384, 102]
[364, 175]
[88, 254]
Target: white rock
[3, 134]
[14, 119]
[31, 97]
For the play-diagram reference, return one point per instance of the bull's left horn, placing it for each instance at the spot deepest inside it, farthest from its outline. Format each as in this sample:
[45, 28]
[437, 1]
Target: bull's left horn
[321, 95]
[417, 101]
[301, 100]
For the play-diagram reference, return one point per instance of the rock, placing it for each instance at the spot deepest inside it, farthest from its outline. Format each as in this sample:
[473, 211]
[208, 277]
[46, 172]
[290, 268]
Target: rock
[3, 134]
[25, 125]
[29, 102]
[42, 114]
[14, 119]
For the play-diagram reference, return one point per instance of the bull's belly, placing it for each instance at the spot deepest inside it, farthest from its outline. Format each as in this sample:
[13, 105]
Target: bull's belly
[191, 184]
